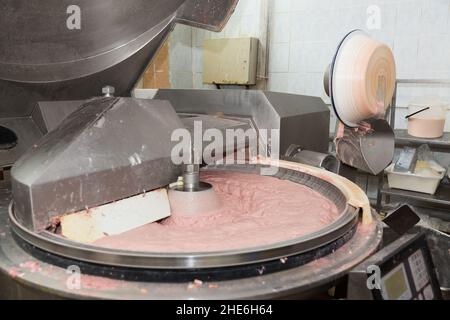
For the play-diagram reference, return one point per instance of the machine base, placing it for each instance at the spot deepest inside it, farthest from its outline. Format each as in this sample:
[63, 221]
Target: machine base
[24, 275]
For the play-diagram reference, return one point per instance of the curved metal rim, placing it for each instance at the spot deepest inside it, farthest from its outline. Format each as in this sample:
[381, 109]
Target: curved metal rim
[300, 281]
[144, 260]
[333, 64]
[113, 57]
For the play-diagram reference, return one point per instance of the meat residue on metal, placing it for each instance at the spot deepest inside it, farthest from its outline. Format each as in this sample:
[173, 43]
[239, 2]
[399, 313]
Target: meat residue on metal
[98, 283]
[256, 211]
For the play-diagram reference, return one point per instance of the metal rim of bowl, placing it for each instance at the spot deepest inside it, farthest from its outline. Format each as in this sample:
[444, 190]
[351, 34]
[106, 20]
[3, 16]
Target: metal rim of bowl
[145, 260]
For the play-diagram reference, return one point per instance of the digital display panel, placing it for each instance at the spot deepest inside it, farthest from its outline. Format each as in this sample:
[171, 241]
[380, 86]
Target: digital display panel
[395, 285]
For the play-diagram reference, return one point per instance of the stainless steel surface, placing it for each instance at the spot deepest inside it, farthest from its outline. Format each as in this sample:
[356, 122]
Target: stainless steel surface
[407, 160]
[357, 288]
[370, 151]
[378, 148]
[191, 173]
[396, 248]
[343, 224]
[191, 177]
[42, 58]
[222, 123]
[191, 180]
[50, 114]
[439, 244]
[311, 158]
[441, 198]
[19, 97]
[402, 138]
[326, 80]
[84, 162]
[301, 120]
[109, 149]
[51, 281]
[206, 14]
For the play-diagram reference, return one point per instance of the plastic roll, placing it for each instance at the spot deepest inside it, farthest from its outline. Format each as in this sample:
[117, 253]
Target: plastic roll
[362, 78]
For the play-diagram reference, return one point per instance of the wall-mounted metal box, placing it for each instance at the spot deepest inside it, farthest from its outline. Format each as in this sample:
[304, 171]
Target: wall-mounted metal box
[230, 61]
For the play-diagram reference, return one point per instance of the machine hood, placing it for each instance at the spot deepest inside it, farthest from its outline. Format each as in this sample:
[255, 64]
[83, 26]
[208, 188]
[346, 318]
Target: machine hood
[43, 57]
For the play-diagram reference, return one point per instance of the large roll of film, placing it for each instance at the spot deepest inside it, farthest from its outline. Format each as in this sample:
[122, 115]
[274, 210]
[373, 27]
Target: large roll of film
[362, 78]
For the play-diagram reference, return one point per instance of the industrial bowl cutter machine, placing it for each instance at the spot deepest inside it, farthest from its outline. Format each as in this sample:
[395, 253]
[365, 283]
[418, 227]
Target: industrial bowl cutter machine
[71, 148]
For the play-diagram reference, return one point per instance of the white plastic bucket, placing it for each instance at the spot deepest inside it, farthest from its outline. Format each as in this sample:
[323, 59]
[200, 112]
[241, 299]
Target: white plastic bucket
[429, 124]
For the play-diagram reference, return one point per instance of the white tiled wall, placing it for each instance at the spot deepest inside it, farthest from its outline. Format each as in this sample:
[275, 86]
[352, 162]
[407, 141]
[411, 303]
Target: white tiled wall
[308, 31]
[303, 35]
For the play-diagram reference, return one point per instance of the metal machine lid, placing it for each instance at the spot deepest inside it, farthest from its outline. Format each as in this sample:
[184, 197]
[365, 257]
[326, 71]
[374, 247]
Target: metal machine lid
[109, 149]
[51, 47]
[45, 55]
[59, 41]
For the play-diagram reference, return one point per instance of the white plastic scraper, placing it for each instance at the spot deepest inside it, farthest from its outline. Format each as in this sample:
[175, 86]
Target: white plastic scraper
[115, 218]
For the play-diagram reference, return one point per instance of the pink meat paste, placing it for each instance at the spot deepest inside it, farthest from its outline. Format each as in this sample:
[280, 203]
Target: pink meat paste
[256, 211]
